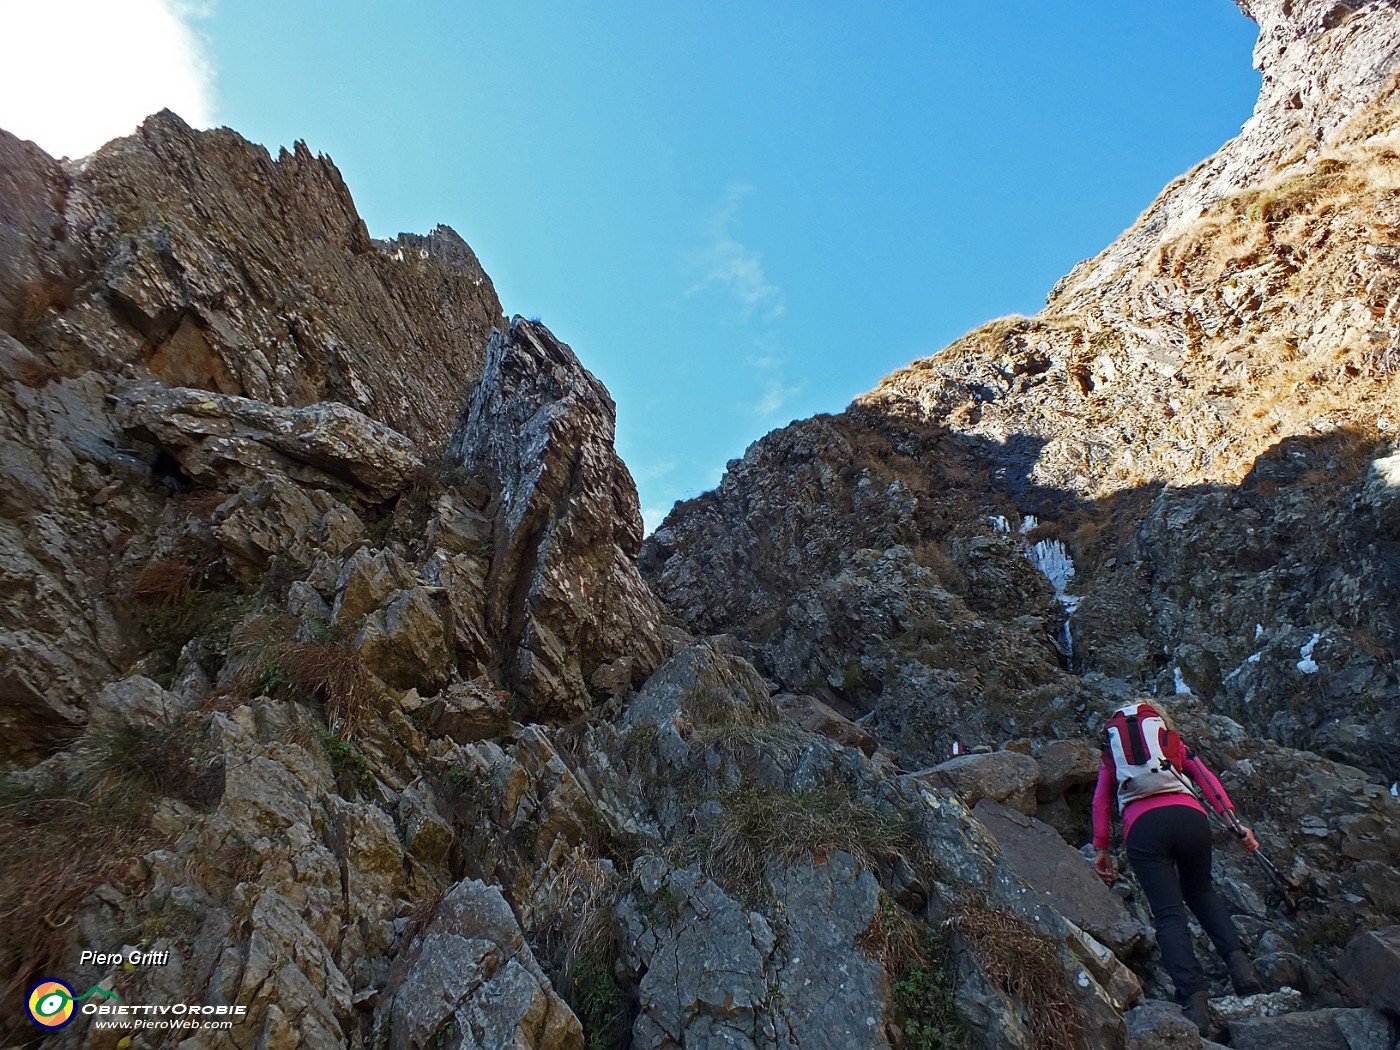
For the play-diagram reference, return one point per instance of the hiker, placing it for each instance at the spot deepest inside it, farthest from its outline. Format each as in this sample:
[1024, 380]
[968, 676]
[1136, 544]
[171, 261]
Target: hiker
[1167, 832]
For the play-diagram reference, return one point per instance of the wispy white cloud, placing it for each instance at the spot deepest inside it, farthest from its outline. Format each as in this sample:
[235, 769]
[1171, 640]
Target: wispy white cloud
[770, 402]
[652, 517]
[730, 265]
[652, 471]
[80, 72]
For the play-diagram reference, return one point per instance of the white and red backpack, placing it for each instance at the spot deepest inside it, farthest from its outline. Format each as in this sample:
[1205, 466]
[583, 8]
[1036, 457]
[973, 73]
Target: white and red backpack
[1148, 757]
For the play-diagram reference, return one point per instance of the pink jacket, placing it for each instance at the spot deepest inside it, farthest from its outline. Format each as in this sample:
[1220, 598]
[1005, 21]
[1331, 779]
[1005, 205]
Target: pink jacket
[1106, 795]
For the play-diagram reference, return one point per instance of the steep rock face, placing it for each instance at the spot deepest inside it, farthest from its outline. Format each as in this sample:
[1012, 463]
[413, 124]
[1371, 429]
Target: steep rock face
[563, 596]
[197, 257]
[377, 743]
[1188, 410]
[194, 261]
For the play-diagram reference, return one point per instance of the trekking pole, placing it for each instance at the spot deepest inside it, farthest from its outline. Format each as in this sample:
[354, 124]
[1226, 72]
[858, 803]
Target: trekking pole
[1226, 816]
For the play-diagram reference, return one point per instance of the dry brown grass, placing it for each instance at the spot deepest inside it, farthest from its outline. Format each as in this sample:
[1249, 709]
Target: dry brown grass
[327, 670]
[56, 847]
[42, 297]
[758, 826]
[1025, 966]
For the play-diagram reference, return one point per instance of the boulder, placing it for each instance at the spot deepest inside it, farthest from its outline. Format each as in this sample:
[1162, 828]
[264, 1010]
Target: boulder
[426, 834]
[137, 702]
[471, 975]
[366, 581]
[1065, 764]
[405, 642]
[230, 441]
[275, 517]
[721, 975]
[1370, 965]
[1316, 1030]
[1057, 872]
[809, 713]
[1002, 776]
[1158, 1025]
[563, 595]
[467, 712]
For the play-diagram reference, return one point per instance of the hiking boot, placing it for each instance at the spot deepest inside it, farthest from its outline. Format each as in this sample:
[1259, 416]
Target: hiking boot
[1242, 976]
[1197, 1011]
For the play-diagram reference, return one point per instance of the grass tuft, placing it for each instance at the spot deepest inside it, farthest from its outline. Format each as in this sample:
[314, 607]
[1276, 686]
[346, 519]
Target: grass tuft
[1025, 966]
[757, 826]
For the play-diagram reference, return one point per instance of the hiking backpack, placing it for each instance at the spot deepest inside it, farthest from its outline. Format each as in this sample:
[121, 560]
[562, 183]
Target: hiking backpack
[1147, 756]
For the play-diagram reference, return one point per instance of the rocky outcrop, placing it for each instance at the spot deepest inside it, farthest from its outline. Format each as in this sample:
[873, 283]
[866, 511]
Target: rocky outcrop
[199, 259]
[396, 749]
[222, 441]
[470, 980]
[564, 598]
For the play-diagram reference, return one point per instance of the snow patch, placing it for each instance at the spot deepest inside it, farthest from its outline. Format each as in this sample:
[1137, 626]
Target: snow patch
[1182, 689]
[1307, 664]
[1252, 658]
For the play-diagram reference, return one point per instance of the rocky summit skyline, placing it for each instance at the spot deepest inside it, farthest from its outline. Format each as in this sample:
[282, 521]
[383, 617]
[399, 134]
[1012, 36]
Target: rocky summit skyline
[341, 691]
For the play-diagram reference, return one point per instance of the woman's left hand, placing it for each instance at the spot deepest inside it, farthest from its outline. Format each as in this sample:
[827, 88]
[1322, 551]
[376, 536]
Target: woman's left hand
[1248, 842]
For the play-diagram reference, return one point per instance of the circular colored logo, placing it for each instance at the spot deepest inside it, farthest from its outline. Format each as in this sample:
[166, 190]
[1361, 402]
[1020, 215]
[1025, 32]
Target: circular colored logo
[51, 1004]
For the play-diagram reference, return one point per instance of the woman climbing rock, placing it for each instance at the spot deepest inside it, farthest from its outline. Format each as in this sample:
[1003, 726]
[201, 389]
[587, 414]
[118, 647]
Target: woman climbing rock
[1167, 832]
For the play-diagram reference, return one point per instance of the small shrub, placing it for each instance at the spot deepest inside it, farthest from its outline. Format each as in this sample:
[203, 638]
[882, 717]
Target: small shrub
[920, 967]
[600, 1003]
[182, 596]
[576, 939]
[121, 761]
[325, 670]
[44, 296]
[348, 763]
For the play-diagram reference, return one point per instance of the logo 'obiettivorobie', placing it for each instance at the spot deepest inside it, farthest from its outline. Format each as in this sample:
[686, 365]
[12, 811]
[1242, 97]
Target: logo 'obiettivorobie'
[51, 1002]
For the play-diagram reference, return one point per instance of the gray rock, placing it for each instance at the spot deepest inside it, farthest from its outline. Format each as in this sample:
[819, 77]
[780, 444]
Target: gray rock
[276, 517]
[405, 641]
[1370, 965]
[136, 702]
[230, 441]
[367, 580]
[466, 712]
[1319, 1030]
[472, 978]
[1008, 777]
[1057, 872]
[1065, 764]
[1158, 1025]
[425, 833]
[809, 713]
[564, 590]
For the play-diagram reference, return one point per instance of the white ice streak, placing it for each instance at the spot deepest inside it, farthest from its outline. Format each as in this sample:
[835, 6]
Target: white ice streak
[1182, 688]
[1000, 524]
[1052, 558]
[1307, 664]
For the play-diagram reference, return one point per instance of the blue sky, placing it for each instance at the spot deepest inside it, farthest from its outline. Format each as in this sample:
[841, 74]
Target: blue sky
[739, 214]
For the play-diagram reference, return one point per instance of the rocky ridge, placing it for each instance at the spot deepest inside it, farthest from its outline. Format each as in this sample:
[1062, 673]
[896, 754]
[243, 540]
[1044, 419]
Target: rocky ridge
[329, 668]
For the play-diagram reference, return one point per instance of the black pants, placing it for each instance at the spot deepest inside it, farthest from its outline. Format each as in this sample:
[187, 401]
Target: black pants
[1169, 850]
